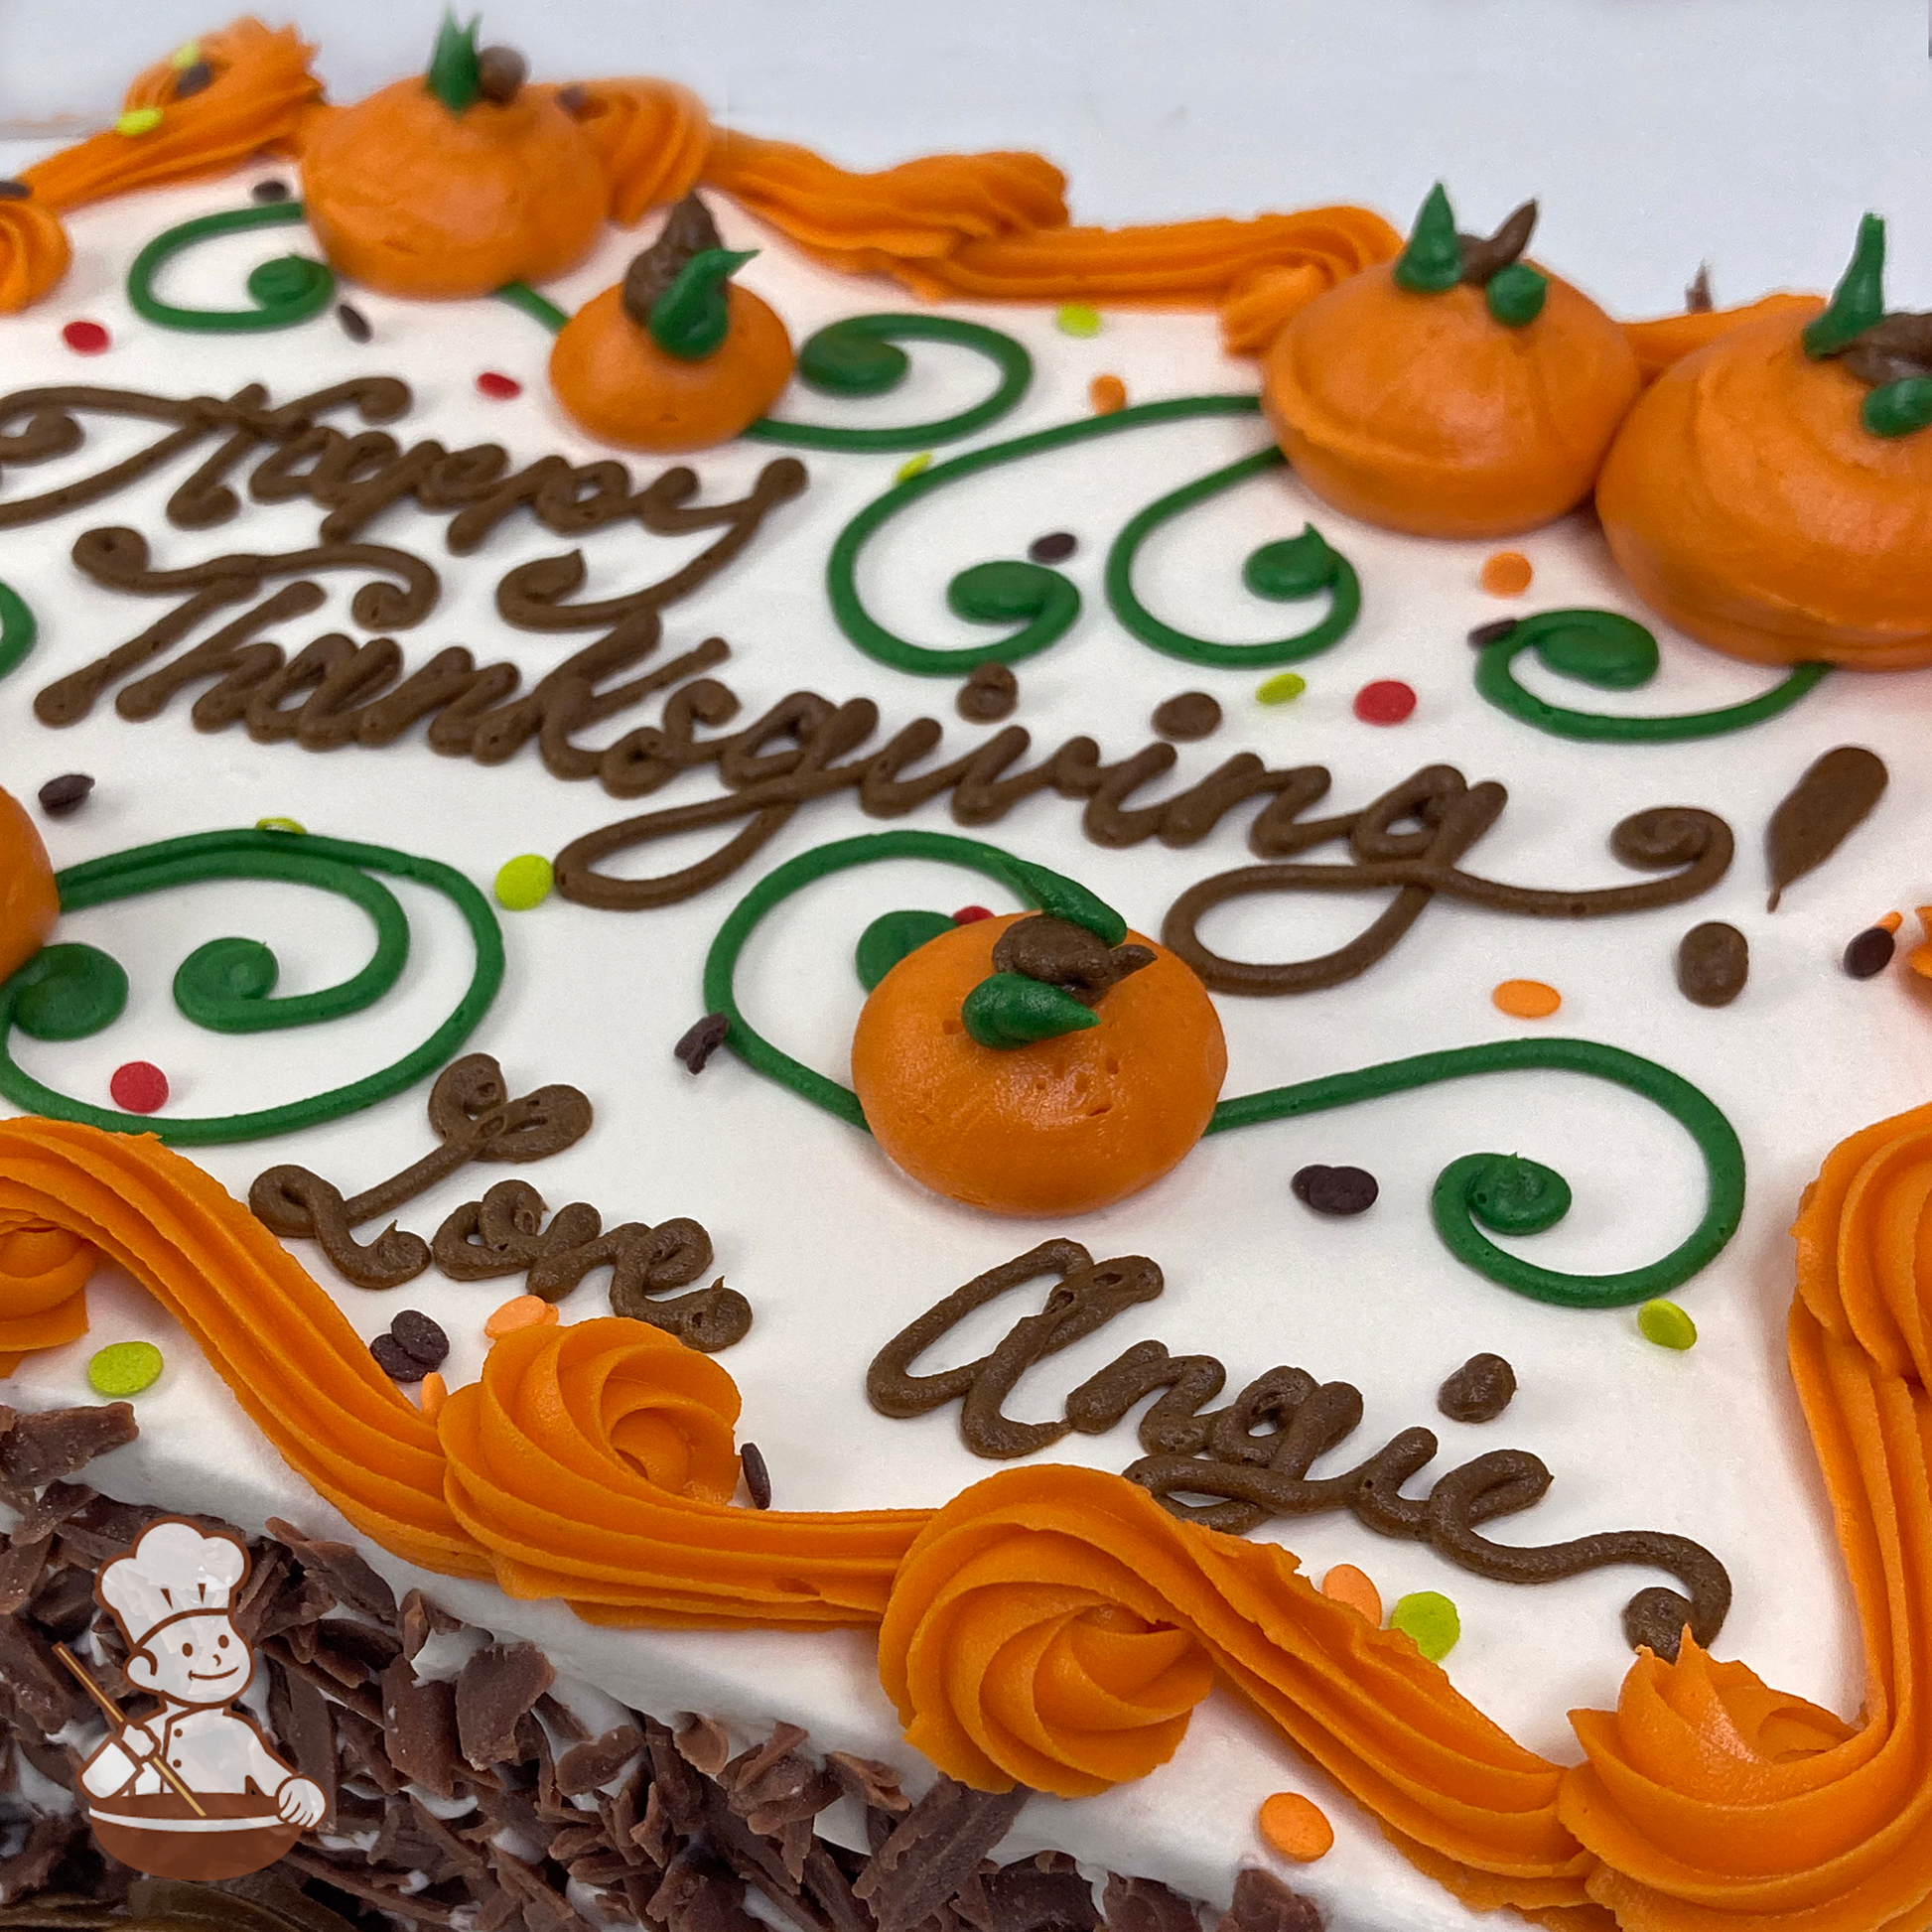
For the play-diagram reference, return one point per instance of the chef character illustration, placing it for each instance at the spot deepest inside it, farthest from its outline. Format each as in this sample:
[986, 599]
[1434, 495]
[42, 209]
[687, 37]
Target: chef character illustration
[171, 1595]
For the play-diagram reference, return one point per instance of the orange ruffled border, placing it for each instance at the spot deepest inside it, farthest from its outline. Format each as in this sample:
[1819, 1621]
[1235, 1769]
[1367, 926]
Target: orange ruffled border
[1055, 1627]
[986, 227]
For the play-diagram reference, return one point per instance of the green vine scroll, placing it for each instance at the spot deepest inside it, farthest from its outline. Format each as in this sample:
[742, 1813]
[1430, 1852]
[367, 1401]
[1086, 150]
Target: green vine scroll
[1614, 653]
[1500, 1194]
[1045, 604]
[286, 290]
[69, 991]
[18, 630]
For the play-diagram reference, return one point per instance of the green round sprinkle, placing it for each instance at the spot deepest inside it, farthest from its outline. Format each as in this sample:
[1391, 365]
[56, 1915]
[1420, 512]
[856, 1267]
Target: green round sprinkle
[523, 881]
[911, 466]
[187, 55]
[280, 825]
[1665, 1323]
[1077, 319]
[138, 120]
[1430, 1618]
[124, 1368]
[1282, 689]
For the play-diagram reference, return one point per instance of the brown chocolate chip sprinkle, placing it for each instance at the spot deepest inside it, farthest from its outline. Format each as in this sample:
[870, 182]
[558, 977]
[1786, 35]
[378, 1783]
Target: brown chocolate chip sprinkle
[572, 98]
[702, 1040]
[988, 695]
[1493, 633]
[1479, 1391]
[1053, 548]
[64, 794]
[192, 80]
[758, 1477]
[1335, 1191]
[1869, 953]
[396, 1361]
[1712, 963]
[12, 189]
[1696, 298]
[274, 189]
[421, 1336]
[500, 72]
[355, 324]
[1188, 714]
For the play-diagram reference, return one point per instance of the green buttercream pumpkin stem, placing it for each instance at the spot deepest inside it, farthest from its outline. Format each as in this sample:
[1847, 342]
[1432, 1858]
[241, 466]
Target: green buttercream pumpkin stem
[1859, 301]
[1899, 408]
[453, 72]
[1433, 260]
[691, 319]
[1008, 1010]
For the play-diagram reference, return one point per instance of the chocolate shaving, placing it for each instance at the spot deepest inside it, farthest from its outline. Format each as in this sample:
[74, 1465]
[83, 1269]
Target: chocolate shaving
[1836, 794]
[952, 1827]
[346, 1570]
[418, 1728]
[688, 230]
[423, 1620]
[20, 1569]
[699, 1895]
[496, 1687]
[1031, 1896]
[1261, 1903]
[42, 1449]
[874, 1784]
[299, 1715]
[586, 1766]
[1146, 1905]
[703, 1744]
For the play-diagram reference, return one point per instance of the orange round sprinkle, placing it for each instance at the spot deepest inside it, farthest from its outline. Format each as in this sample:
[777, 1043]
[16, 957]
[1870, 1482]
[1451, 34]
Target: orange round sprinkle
[1297, 1827]
[1526, 999]
[1347, 1584]
[519, 1311]
[1919, 959]
[1507, 574]
[1107, 393]
[431, 1392]
[1890, 922]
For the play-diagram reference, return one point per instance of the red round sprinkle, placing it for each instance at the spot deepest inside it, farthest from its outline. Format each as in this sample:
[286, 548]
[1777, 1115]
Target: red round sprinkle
[1388, 701]
[500, 388]
[85, 337]
[139, 1087]
[968, 913]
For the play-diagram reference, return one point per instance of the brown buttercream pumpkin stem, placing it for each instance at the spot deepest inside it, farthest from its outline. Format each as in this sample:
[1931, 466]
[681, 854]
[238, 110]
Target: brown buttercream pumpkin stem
[1696, 298]
[1483, 256]
[1897, 350]
[500, 72]
[688, 230]
[1059, 953]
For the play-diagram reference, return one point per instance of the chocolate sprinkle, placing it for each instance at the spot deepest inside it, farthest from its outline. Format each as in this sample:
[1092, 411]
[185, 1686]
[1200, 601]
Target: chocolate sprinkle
[355, 324]
[1335, 1191]
[272, 190]
[1493, 633]
[1479, 1391]
[1712, 963]
[13, 189]
[757, 1478]
[989, 694]
[64, 794]
[421, 1337]
[702, 1040]
[192, 80]
[396, 1361]
[572, 98]
[1869, 953]
[1188, 714]
[1053, 548]
[500, 72]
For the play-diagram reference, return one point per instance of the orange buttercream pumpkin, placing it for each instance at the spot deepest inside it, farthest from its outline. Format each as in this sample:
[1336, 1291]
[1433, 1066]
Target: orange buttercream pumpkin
[676, 356]
[1457, 392]
[1749, 505]
[412, 197]
[1057, 1127]
[29, 905]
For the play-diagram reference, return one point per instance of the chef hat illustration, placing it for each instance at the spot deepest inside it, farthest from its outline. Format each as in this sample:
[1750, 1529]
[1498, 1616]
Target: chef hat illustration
[172, 1567]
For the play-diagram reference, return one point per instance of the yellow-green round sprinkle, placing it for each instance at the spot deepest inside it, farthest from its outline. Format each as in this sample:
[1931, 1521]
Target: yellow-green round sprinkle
[138, 120]
[124, 1368]
[279, 825]
[1665, 1323]
[1077, 319]
[523, 881]
[1430, 1618]
[185, 56]
[1282, 687]
[913, 466]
